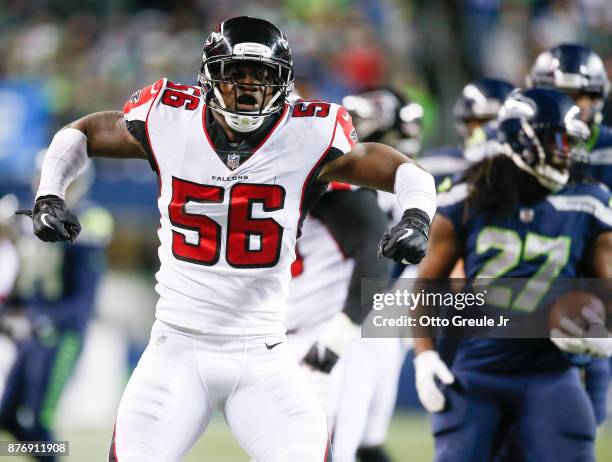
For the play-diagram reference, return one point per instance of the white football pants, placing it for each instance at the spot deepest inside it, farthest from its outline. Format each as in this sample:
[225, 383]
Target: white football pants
[371, 372]
[183, 375]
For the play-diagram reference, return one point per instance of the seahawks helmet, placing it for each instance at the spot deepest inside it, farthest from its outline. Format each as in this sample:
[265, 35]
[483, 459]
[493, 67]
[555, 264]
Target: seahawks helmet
[541, 130]
[384, 115]
[573, 69]
[479, 100]
[246, 45]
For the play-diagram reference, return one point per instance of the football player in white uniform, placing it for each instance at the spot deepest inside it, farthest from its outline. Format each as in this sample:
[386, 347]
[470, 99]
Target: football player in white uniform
[336, 251]
[239, 167]
[371, 366]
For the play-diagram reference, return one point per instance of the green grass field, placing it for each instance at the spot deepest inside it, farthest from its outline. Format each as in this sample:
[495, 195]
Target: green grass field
[409, 440]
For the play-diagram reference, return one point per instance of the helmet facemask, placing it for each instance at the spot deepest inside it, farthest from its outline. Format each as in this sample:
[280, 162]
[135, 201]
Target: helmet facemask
[549, 152]
[263, 83]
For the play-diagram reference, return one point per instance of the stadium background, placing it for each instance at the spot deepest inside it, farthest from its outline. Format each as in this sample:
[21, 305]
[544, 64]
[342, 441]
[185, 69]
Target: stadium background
[62, 59]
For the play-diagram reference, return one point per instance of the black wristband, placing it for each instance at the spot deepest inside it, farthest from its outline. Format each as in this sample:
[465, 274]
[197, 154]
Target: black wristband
[48, 196]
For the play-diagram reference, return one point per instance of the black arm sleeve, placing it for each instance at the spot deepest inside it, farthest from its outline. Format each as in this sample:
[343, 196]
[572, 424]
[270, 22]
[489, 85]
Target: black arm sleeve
[356, 222]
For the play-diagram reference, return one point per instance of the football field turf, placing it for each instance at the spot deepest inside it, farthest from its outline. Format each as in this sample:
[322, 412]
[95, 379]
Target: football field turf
[409, 440]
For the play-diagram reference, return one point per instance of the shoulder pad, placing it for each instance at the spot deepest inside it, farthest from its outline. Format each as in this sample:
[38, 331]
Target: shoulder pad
[138, 105]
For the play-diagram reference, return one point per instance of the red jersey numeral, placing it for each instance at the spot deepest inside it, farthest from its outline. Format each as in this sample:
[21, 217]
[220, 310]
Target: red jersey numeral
[175, 96]
[242, 226]
[311, 109]
[251, 242]
[206, 250]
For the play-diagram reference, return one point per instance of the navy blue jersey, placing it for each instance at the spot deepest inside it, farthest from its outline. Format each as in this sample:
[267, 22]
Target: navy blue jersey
[600, 156]
[58, 281]
[550, 237]
[444, 164]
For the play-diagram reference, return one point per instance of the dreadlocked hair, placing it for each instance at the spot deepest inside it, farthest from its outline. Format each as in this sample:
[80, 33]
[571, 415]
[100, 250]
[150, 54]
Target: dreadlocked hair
[496, 186]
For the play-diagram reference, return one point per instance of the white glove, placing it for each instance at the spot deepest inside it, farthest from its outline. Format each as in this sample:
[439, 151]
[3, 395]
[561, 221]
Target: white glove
[335, 339]
[575, 339]
[16, 326]
[428, 366]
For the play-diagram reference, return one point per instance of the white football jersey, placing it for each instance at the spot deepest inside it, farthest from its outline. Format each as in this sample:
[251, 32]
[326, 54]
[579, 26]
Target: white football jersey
[230, 216]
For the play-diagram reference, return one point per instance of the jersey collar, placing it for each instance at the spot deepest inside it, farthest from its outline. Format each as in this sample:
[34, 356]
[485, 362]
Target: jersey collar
[235, 156]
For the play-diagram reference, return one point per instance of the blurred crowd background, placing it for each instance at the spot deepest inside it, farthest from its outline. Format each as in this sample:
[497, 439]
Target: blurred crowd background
[61, 59]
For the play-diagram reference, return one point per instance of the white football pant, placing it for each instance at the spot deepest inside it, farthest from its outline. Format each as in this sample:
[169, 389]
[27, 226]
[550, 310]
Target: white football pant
[183, 375]
[368, 392]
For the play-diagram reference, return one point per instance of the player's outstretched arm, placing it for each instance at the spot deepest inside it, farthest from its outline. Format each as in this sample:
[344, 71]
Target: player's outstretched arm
[377, 166]
[107, 135]
[371, 165]
[103, 134]
[443, 252]
[442, 255]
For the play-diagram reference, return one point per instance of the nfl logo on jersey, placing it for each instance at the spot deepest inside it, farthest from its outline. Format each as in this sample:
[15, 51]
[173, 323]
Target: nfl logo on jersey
[233, 161]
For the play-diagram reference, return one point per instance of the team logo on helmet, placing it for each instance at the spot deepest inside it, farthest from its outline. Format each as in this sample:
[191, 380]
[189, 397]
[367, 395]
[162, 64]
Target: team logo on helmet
[215, 36]
[233, 161]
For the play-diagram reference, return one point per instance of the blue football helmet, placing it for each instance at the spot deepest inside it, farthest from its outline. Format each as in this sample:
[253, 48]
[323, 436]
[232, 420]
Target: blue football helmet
[541, 130]
[479, 101]
[573, 69]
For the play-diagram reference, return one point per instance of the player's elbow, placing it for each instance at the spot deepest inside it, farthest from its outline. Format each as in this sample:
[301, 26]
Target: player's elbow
[79, 124]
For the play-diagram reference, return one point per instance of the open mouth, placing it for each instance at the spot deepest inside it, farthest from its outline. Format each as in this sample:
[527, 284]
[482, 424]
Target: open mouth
[247, 102]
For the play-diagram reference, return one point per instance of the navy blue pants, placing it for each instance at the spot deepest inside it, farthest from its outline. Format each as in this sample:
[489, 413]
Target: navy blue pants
[35, 383]
[596, 382]
[550, 413]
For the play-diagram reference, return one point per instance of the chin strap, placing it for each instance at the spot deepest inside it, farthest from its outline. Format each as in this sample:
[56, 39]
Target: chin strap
[244, 123]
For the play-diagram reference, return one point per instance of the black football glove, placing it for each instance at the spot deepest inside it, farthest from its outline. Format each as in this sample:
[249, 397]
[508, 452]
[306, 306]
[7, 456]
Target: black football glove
[321, 358]
[406, 242]
[335, 338]
[52, 220]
